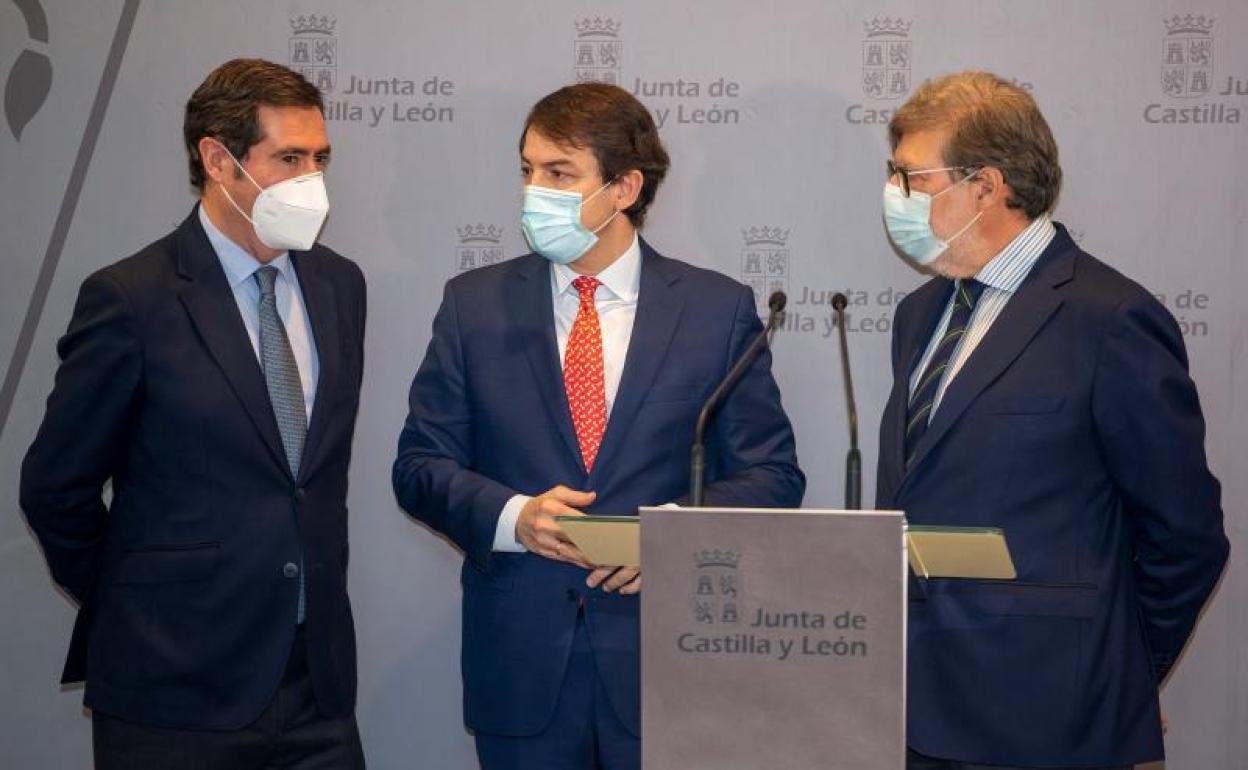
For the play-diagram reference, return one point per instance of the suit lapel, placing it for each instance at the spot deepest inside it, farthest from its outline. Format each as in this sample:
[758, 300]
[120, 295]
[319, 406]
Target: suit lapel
[1023, 317]
[533, 309]
[659, 305]
[213, 311]
[319, 298]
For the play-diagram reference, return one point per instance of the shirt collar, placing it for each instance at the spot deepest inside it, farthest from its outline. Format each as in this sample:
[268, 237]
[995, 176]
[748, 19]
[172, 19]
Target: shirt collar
[239, 266]
[1007, 270]
[622, 277]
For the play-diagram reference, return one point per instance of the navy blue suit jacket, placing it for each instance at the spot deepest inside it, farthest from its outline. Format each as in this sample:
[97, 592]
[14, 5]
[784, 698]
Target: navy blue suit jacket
[1075, 427]
[489, 418]
[186, 617]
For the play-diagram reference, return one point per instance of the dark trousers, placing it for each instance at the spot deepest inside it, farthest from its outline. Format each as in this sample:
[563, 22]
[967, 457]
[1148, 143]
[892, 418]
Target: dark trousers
[289, 734]
[584, 734]
[917, 761]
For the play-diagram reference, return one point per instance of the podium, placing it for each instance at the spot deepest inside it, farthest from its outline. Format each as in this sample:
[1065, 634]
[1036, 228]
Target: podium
[773, 639]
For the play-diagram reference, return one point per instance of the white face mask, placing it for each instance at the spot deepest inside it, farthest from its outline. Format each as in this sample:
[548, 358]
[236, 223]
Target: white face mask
[287, 215]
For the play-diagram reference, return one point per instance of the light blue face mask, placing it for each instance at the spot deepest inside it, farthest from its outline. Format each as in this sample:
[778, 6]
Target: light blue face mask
[551, 223]
[909, 222]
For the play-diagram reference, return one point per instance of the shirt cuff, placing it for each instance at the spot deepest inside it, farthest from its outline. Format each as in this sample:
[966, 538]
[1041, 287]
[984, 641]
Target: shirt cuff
[505, 531]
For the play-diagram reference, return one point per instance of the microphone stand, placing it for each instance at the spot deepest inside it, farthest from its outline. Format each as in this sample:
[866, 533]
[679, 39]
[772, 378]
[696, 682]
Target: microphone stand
[697, 454]
[853, 460]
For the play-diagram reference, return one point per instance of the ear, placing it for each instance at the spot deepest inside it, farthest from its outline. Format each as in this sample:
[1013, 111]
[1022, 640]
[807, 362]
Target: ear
[991, 185]
[218, 166]
[628, 188]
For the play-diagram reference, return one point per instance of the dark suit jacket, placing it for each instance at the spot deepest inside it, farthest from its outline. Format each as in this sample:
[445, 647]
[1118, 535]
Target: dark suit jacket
[489, 418]
[186, 618]
[1075, 427]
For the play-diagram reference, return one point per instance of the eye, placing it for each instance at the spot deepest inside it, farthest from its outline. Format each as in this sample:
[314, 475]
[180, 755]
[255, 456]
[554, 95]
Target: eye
[290, 159]
[322, 159]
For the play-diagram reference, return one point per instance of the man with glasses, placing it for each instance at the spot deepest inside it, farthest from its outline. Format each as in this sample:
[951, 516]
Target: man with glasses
[1039, 391]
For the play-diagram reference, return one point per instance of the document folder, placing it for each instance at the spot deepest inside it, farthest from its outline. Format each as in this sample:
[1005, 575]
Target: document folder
[959, 552]
[608, 541]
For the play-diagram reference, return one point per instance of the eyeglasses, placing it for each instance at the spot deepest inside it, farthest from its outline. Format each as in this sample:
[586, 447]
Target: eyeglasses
[903, 175]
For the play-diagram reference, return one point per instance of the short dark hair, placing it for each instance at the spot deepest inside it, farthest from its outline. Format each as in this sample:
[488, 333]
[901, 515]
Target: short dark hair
[226, 106]
[991, 122]
[617, 128]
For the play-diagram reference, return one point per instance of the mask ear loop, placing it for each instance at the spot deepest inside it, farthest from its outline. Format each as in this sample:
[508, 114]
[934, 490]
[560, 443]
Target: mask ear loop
[226, 192]
[974, 219]
[594, 194]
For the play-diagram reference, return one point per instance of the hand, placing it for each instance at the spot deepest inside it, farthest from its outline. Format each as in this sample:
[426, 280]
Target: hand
[625, 579]
[537, 530]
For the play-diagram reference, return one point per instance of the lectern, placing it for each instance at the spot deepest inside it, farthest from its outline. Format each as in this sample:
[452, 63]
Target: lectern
[773, 639]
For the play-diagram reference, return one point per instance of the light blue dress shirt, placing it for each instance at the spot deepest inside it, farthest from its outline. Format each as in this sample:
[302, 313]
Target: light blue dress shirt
[240, 268]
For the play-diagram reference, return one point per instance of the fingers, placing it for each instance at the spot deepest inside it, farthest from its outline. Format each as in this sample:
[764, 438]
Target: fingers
[598, 575]
[550, 541]
[552, 507]
[573, 555]
[571, 497]
[620, 579]
[543, 535]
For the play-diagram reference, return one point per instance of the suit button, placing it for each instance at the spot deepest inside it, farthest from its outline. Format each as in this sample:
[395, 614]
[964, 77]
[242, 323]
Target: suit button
[290, 570]
[573, 596]
[300, 494]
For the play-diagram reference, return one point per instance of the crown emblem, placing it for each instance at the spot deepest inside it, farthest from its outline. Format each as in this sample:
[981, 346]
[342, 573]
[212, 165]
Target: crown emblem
[887, 27]
[756, 236]
[313, 25]
[480, 233]
[1189, 24]
[598, 27]
[717, 558]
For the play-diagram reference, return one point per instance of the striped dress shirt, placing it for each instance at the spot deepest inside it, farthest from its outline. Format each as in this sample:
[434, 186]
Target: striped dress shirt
[1001, 277]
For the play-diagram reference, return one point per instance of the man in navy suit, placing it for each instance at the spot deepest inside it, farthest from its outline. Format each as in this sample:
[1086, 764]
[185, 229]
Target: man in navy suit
[212, 379]
[568, 381]
[1042, 392]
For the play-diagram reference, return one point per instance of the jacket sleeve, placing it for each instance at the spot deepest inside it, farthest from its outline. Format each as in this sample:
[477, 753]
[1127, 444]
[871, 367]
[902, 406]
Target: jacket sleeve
[752, 457]
[81, 442]
[431, 474]
[1149, 423]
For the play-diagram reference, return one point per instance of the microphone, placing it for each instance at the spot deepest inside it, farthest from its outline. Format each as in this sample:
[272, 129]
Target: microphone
[853, 460]
[697, 459]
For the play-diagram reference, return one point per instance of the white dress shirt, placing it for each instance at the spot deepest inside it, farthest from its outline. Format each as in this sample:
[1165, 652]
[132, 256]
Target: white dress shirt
[1001, 277]
[240, 268]
[616, 302]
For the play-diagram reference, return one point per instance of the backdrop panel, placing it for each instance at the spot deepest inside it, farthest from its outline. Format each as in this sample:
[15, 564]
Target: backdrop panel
[774, 114]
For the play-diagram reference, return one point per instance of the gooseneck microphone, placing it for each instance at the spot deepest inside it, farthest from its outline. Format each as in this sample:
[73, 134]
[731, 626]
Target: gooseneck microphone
[697, 458]
[853, 460]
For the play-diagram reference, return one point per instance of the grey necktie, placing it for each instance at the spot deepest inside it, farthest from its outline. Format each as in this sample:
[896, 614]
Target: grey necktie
[281, 374]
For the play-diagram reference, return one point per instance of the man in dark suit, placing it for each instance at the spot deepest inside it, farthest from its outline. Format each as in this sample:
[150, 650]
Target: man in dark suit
[212, 379]
[1040, 391]
[569, 381]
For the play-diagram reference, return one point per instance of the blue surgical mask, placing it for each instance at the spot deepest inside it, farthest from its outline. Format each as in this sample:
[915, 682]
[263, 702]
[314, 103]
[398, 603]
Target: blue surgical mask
[909, 223]
[551, 223]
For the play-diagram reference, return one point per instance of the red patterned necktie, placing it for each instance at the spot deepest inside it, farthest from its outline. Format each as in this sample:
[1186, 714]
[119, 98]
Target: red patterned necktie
[582, 373]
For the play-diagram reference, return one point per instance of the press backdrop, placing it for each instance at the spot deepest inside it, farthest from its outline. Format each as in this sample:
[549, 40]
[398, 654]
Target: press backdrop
[774, 114]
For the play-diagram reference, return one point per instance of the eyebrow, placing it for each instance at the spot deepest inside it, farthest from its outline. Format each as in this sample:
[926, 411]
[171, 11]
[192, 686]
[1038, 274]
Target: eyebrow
[301, 151]
[556, 163]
